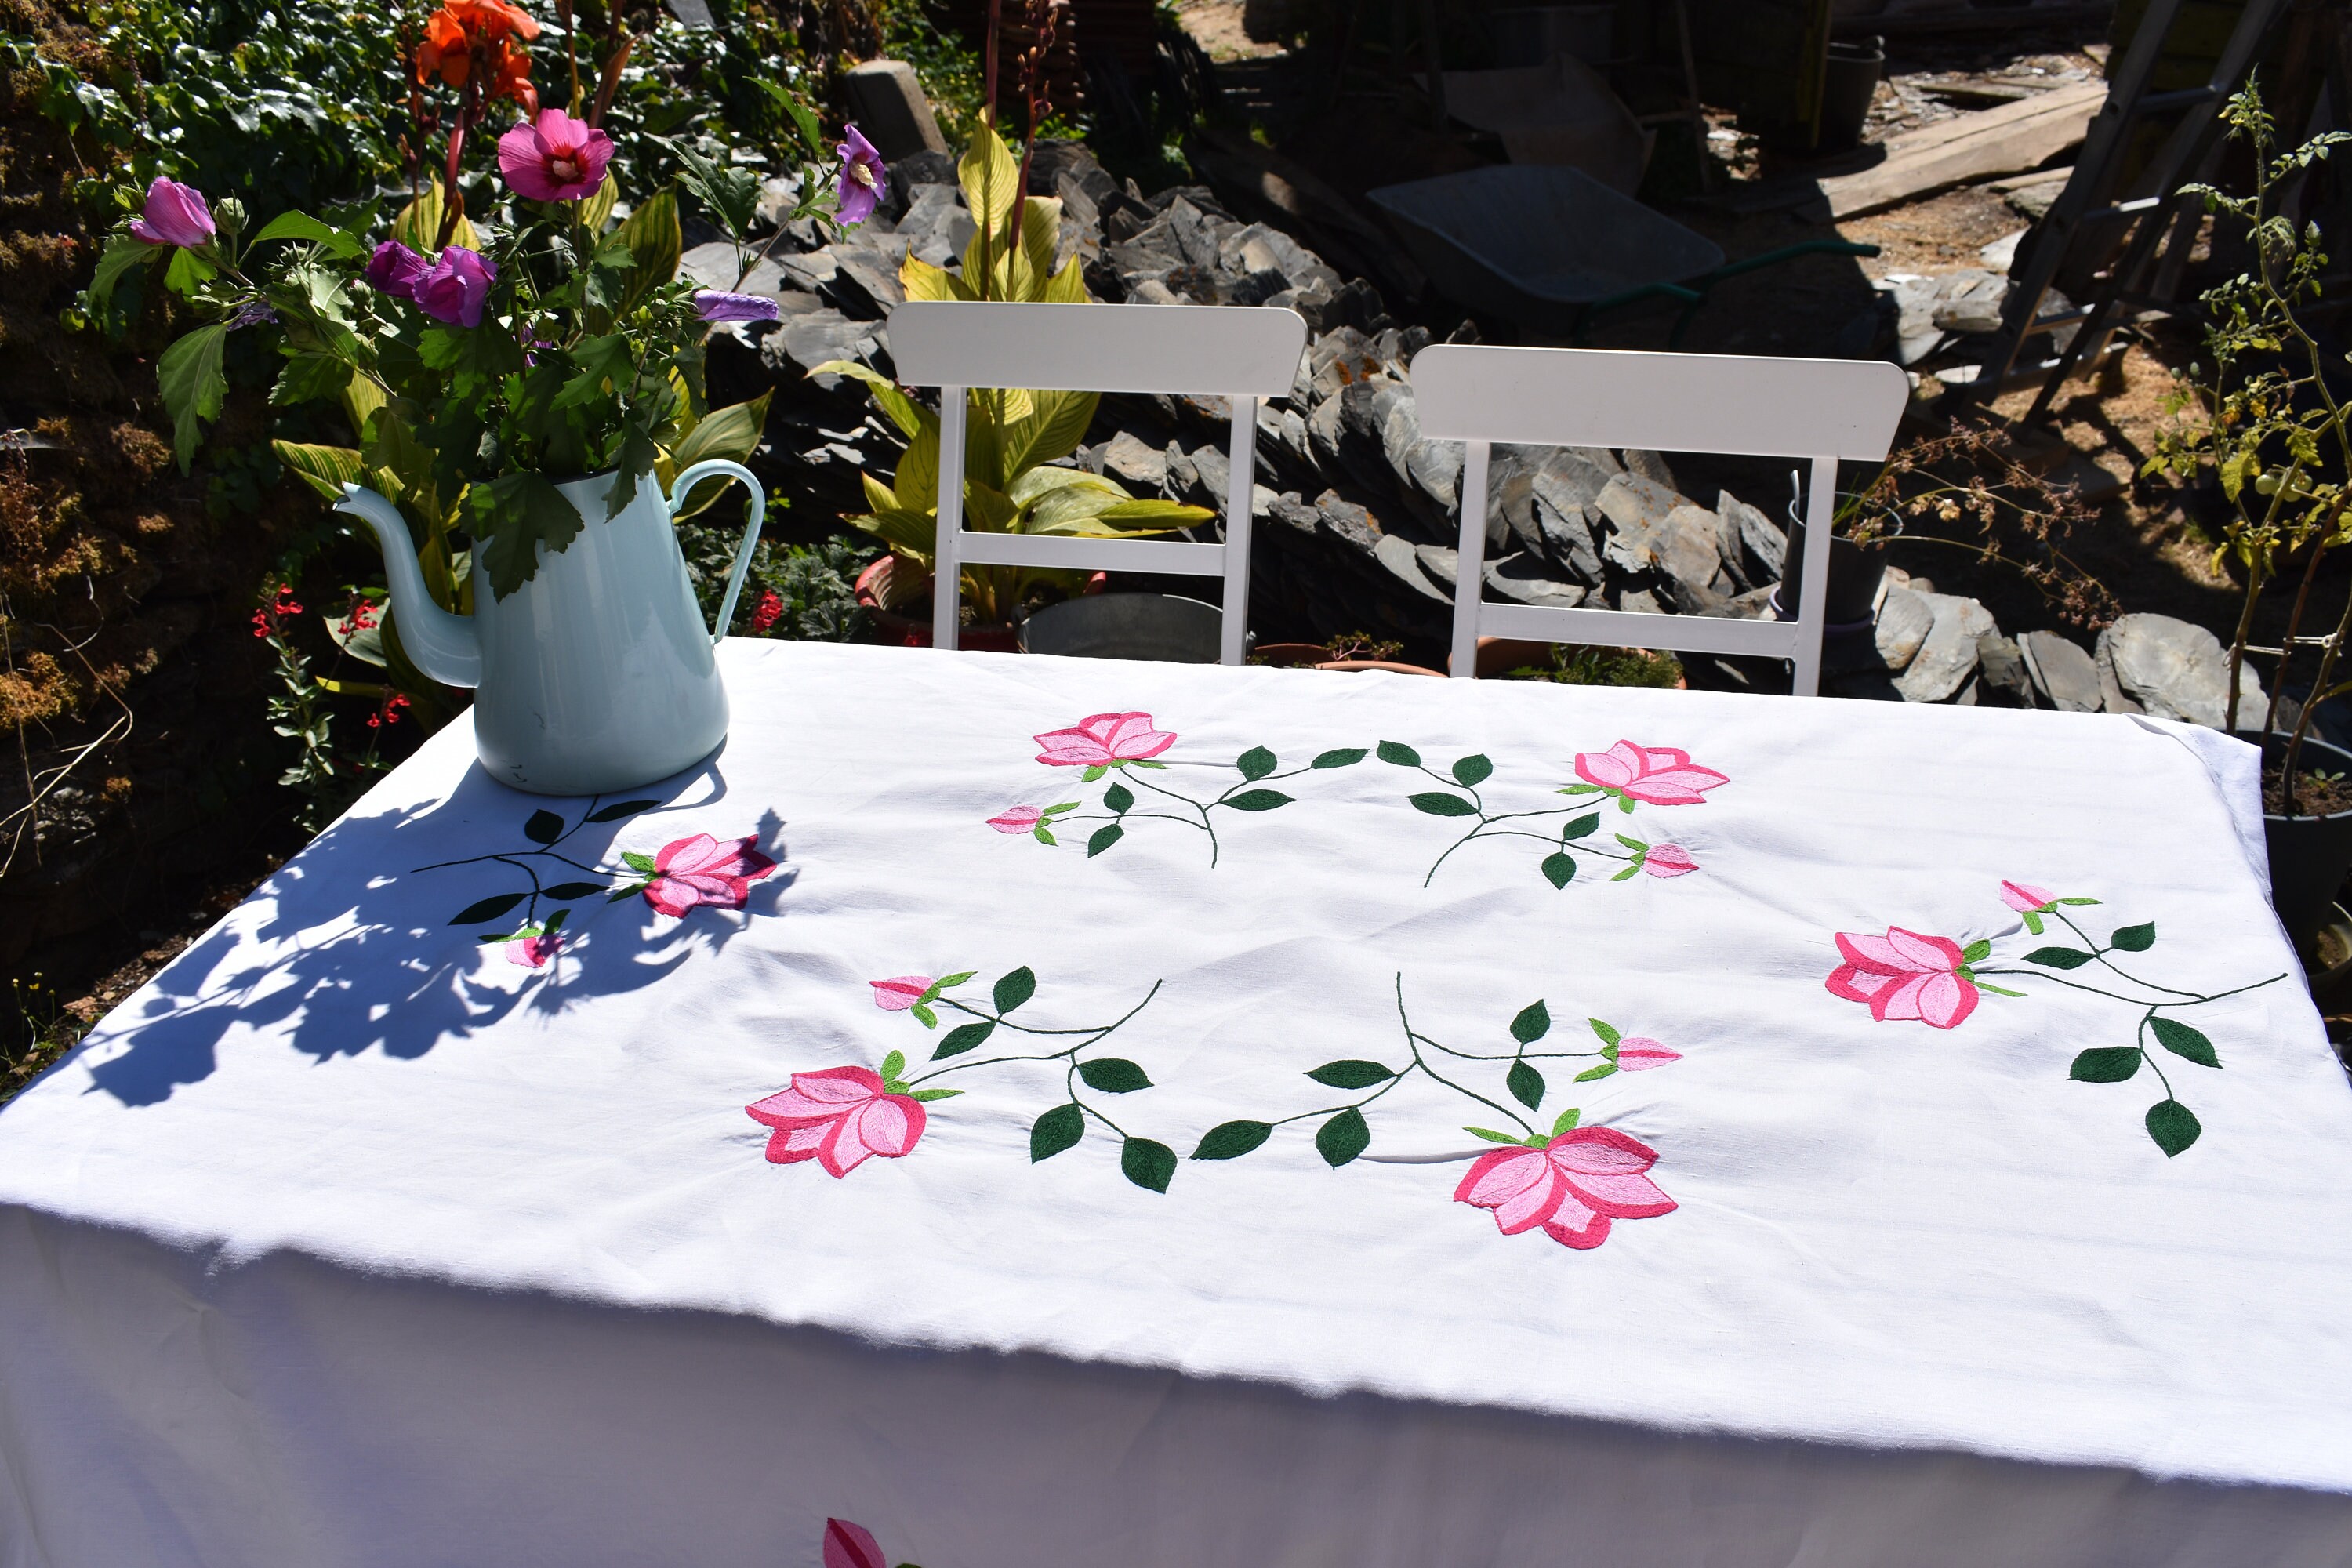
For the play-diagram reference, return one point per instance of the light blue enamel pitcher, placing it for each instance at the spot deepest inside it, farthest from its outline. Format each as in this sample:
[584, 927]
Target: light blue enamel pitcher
[596, 674]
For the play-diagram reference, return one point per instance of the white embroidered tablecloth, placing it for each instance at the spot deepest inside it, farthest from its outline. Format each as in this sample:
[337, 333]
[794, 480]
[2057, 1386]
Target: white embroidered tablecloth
[1060, 1112]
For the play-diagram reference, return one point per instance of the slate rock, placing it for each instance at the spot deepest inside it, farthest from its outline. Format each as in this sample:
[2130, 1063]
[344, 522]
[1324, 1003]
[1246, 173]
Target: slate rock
[866, 283]
[1295, 516]
[1403, 562]
[1443, 565]
[1640, 601]
[1522, 578]
[810, 339]
[1650, 465]
[1637, 507]
[1133, 464]
[2171, 670]
[813, 269]
[2001, 680]
[1905, 619]
[1568, 538]
[1763, 546]
[1948, 654]
[2063, 676]
[1347, 523]
[1683, 546]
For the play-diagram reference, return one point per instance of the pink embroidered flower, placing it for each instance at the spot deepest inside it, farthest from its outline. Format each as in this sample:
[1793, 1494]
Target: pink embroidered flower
[1104, 739]
[2025, 898]
[1668, 861]
[533, 952]
[1659, 775]
[848, 1545]
[840, 1118]
[555, 158]
[1639, 1053]
[1904, 975]
[1017, 819]
[1573, 1186]
[174, 215]
[898, 995]
[705, 870]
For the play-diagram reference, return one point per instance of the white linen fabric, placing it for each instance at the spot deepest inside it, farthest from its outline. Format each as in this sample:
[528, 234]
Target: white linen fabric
[353, 1239]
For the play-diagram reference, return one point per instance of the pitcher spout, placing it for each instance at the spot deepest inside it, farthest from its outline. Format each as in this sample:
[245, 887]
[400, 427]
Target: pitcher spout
[443, 646]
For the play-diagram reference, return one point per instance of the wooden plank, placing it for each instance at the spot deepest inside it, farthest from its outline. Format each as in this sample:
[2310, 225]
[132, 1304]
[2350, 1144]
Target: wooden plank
[2003, 141]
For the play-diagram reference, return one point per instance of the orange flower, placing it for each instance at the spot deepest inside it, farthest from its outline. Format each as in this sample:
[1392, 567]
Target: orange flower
[465, 33]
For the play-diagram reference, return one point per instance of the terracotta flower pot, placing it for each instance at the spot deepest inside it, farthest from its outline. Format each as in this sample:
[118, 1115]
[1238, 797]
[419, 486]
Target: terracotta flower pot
[1315, 656]
[883, 597]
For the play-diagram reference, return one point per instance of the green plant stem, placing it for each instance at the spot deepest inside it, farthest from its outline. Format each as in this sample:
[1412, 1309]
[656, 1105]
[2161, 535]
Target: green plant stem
[1094, 1037]
[2100, 953]
[1413, 1043]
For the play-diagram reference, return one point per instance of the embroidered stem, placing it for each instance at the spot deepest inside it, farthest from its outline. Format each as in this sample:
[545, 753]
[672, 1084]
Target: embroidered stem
[2100, 953]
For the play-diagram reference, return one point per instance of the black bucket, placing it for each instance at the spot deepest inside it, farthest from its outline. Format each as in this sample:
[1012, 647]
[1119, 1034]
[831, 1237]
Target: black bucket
[1847, 89]
[2309, 855]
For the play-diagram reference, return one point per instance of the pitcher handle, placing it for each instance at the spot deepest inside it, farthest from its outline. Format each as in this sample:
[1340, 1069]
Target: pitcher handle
[683, 487]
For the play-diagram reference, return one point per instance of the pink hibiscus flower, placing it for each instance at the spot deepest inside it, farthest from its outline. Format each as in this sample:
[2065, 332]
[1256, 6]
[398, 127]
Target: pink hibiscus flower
[840, 1118]
[555, 158]
[1573, 1186]
[1104, 739]
[1659, 775]
[896, 995]
[1904, 975]
[705, 870]
[2026, 899]
[1668, 861]
[1017, 819]
[1639, 1054]
[533, 952]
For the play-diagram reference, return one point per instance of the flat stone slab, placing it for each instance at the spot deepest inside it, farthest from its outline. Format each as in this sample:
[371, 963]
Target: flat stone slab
[2065, 676]
[2172, 669]
[1948, 656]
[1522, 578]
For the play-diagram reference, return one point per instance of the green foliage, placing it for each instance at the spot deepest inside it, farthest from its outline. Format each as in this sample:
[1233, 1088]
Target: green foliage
[1578, 666]
[816, 599]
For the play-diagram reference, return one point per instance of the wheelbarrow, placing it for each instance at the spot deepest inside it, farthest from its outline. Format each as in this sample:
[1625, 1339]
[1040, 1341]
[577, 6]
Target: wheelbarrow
[1554, 249]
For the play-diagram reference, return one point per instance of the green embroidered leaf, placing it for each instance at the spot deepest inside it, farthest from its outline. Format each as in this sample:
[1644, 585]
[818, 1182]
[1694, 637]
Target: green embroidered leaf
[1628, 871]
[1350, 1073]
[2075, 900]
[1345, 757]
[1581, 827]
[894, 1064]
[924, 1015]
[545, 827]
[1057, 1130]
[1113, 1074]
[2033, 922]
[1258, 800]
[1608, 1033]
[2105, 1064]
[1473, 770]
[2059, 957]
[949, 981]
[2134, 939]
[1092, 773]
[1118, 797]
[636, 862]
[1147, 763]
[620, 893]
[1147, 1163]
[1402, 755]
[1567, 1123]
[1490, 1135]
[1065, 806]
[2173, 1126]
[1996, 990]
[1584, 789]
[1533, 1022]
[575, 890]
[1104, 837]
[1438, 804]
[1625, 804]
[489, 909]
[1257, 763]
[1232, 1140]
[1014, 989]
[1343, 1138]
[1610, 1052]
[1526, 1084]
[927, 1094]
[1558, 868]
[625, 809]
[1635, 845]
[1598, 1069]
[1042, 837]
[2183, 1041]
[555, 921]
[964, 1038]
[1975, 951]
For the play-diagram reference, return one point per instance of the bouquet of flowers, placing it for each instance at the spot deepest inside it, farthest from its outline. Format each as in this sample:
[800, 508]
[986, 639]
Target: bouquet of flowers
[478, 360]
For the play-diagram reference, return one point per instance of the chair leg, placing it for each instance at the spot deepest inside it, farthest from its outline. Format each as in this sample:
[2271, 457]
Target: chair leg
[1813, 585]
[1470, 560]
[1241, 455]
[947, 570]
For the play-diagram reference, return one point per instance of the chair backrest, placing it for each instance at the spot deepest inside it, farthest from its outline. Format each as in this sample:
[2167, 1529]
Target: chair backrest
[1818, 410]
[1244, 354]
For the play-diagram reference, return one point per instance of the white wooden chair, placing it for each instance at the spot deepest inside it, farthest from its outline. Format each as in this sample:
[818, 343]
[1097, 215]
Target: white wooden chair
[1211, 351]
[1821, 410]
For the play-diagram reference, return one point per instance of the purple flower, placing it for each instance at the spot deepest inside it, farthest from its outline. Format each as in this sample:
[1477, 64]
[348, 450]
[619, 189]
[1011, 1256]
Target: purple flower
[253, 315]
[717, 305]
[455, 288]
[394, 269]
[862, 177]
[176, 214]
